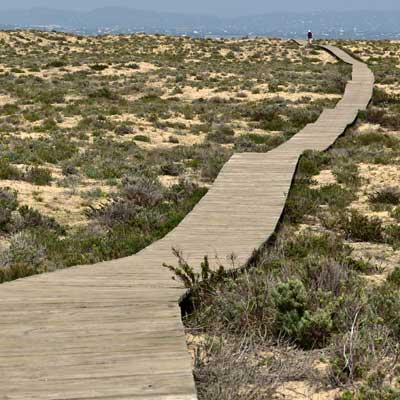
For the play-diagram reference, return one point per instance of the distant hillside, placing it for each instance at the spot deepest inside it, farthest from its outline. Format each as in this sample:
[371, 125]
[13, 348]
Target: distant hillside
[360, 24]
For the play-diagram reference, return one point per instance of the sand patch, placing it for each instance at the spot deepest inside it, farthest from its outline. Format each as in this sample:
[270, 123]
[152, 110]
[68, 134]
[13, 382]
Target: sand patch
[381, 255]
[70, 122]
[65, 205]
[326, 58]
[6, 99]
[301, 390]
[169, 181]
[376, 177]
[324, 178]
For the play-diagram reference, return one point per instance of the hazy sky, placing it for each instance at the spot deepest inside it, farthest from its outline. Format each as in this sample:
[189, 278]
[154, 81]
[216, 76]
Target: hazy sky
[220, 7]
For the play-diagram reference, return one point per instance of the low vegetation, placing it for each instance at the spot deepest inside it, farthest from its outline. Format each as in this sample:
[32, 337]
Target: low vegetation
[107, 142]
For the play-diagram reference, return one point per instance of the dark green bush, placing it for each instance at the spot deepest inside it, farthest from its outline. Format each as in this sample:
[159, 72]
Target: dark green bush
[98, 67]
[293, 318]
[142, 138]
[388, 195]
[358, 227]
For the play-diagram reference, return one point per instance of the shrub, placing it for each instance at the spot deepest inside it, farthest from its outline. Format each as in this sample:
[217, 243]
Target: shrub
[8, 204]
[222, 134]
[142, 191]
[273, 123]
[376, 139]
[25, 257]
[299, 118]
[8, 171]
[395, 213]
[388, 195]
[123, 130]
[56, 64]
[294, 321]
[311, 163]
[347, 173]
[172, 169]
[382, 98]
[142, 138]
[199, 282]
[394, 277]
[366, 392]
[103, 93]
[132, 66]
[98, 67]
[38, 176]
[68, 169]
[334, 196]
[392, 234]
[173, 140]
[30, 218]
[358, 227]
[302, 201]
[375, 115]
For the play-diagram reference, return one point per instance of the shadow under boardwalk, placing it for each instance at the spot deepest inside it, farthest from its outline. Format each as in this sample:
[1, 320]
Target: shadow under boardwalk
[113, 330]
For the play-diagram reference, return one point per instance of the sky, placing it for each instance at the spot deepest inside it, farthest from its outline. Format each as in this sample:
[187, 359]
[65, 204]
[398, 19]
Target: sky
[211, 7]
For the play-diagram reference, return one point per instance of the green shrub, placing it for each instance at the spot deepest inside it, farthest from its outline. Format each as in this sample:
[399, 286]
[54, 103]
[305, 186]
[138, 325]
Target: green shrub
[395, 213]
[376, 139]
[311, 162]
[302, 201]
[293, 320]
[98, 67]
[221, 134]
[103, 93]
[348, 174]
[394, 277]
[388, 195]
[38, 176]
[30, 218]
[142, 138]
[383, 98]
[365, 392]
[358, 227]
[8, 204]
[56, 64]
[392, 234]
[335, 196]
[8, 171]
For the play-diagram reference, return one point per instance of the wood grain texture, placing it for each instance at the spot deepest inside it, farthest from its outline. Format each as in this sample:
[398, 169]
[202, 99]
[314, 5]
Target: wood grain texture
[113, 330]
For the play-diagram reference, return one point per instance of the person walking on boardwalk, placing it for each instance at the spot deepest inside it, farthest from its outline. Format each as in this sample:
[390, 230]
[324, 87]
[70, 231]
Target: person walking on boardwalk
[310, 38]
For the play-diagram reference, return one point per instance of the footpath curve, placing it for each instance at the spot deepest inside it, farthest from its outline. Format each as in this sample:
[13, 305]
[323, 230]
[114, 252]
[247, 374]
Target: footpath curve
[114, 330]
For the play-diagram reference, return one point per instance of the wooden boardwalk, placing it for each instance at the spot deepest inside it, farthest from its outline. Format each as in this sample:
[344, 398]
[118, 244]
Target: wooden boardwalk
[114, 330]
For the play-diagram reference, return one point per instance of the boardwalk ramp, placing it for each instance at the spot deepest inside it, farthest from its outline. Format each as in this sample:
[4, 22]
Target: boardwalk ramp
[113, 330]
